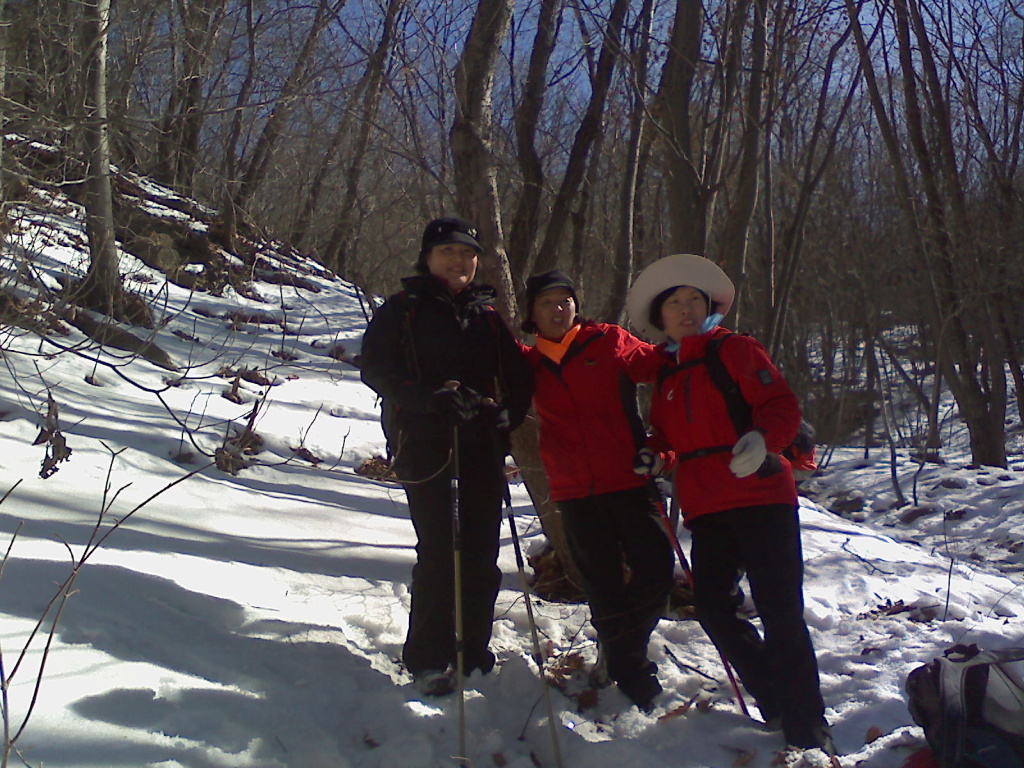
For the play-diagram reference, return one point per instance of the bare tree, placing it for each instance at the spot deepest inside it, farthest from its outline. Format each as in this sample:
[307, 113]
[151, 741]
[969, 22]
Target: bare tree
[478, 198]
[343, 237]
[688, 196]
[526, 217]
[701, 144]
[4, 26]
[229, 161]
[933, 201]
[760, 148]
[587, 135]
[818, 157]
[736, 229]
[263, 152]
[622, 264]
[178, 139]
[474, 172]
[101, 289]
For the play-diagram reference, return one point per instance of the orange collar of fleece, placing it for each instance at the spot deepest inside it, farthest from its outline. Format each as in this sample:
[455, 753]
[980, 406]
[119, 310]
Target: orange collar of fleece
[556, 349]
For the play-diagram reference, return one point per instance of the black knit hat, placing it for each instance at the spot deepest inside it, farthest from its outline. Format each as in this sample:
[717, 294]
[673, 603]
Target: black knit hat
[536, 285]
[447, 229]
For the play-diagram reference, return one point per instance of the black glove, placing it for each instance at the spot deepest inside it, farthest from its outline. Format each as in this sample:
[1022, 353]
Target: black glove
[502, 423]
[492, 416]
[456, 405]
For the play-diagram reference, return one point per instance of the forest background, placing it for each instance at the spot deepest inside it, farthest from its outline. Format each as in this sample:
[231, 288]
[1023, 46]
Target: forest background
[853, 164]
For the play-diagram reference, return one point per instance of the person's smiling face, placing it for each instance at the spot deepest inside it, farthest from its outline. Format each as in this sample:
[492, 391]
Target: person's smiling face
[455, 263]
[684, 312]
[553, 312]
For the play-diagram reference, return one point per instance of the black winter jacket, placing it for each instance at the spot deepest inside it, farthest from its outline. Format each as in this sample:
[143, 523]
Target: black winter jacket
[424, 336]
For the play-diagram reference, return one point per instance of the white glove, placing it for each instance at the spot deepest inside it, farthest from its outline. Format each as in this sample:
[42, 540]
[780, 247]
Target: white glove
[748, 454]
[648, 462]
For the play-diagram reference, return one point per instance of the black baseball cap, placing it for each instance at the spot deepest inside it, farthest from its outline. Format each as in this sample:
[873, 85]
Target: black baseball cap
[450, 229]
[536, 285]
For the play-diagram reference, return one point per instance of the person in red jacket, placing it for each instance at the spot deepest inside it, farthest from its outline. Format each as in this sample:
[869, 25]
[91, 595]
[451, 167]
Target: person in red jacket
[736, 492]
[585, 377]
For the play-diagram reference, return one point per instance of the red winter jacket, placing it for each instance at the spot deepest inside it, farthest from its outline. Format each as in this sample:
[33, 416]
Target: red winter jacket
[688, 413]
[590, 426]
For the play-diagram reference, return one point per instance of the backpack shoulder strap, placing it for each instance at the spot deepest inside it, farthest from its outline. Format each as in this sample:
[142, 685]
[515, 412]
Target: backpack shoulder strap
[495, 322]
[666, 370]
[1005, 656]
[409, 302]
[735, 404]
[670, 368]
[953, 704]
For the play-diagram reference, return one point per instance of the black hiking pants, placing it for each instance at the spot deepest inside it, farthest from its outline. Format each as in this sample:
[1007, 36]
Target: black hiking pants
[603, 532]
[779, 670]
[426, 475]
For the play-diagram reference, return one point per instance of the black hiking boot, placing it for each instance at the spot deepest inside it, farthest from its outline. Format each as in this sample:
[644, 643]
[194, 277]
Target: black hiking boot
[642, 688]
[818, 736]
[479, 661]
[434, 682]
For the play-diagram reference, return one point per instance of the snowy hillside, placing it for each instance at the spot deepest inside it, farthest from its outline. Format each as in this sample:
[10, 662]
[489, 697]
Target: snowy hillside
[253, 619]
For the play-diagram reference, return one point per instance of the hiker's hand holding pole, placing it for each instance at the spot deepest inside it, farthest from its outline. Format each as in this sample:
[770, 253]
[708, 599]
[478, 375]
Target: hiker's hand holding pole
[648, 462]
[493, 415]
[455, 403]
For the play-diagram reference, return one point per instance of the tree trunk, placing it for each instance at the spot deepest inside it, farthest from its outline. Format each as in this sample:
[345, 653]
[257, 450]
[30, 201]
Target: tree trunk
[967, 348]
[688, 216]
[735, 233]
[1013, 360]
[526, 452]
[267, 143]
[229, 210]
[622, 265]
[343, 238]
[526, 218]
[477, 193]
[101, 290]
[4, 42]
[586, 136]
[972, 364]
[299, 236]
[178, 138]
[470, 139]
[814, 170]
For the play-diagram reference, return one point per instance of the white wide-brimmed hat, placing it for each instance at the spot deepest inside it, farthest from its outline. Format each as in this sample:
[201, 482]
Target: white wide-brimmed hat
[671, 272]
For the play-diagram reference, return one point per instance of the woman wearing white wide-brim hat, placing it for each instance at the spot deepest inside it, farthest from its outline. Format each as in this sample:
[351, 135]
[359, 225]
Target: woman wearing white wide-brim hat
[736, 492]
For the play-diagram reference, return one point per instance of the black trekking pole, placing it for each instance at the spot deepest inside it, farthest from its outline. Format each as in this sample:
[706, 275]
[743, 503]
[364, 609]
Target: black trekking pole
[670, 531]
[538, 658]
[460, 658]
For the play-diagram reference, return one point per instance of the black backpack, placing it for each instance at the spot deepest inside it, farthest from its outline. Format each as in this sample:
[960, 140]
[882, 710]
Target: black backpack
[970, 704]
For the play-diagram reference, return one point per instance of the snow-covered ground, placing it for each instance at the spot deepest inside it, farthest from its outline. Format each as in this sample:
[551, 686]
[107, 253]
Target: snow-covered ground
[254, 619]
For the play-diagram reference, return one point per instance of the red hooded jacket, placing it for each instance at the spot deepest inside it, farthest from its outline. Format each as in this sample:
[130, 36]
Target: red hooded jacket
[590, 426]
[689, 415]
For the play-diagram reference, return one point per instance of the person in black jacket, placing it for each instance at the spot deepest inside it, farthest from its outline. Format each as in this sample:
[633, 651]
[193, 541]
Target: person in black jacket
[449, 373]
